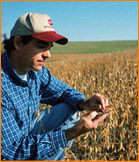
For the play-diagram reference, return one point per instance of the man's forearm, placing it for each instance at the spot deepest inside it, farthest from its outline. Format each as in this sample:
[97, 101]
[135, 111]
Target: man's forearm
[70, 134]
[76, 130]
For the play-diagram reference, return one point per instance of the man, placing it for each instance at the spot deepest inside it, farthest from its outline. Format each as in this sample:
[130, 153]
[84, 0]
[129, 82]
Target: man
[26, 82]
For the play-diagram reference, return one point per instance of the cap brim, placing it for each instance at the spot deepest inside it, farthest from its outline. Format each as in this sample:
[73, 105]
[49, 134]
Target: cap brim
[50, 36]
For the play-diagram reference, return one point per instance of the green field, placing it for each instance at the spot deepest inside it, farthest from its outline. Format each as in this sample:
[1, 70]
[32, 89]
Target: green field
[93, 47]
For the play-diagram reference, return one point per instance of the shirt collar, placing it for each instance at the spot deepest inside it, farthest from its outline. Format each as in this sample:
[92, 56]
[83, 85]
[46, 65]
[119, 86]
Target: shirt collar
[7, 66]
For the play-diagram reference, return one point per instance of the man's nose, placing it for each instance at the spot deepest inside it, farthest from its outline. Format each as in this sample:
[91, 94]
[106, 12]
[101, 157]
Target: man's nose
[46, 54]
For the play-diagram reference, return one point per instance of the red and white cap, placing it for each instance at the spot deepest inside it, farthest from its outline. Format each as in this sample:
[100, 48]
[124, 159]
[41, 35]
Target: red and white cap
[38, 26]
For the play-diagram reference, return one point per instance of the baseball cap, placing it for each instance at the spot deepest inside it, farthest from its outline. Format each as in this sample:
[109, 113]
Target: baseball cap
[38, 26]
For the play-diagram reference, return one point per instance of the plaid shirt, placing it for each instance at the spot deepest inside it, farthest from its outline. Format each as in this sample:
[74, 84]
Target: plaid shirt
[19, 101]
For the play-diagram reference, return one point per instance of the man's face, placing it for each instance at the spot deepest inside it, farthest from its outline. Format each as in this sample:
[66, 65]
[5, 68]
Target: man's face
[34, 54]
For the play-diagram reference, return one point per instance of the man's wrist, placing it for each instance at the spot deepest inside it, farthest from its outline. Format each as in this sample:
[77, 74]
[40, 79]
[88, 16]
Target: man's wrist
[74, 131]
[81, 104]
[70, 134]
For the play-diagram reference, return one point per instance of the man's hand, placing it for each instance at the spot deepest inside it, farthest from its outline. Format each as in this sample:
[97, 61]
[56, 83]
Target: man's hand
[95, 103]
[85, 124]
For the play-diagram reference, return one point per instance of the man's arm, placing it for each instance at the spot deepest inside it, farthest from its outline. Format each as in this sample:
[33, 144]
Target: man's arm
[55, 91]
[85, 125]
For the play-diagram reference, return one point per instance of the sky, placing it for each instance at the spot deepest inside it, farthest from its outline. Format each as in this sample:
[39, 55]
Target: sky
[79, 20]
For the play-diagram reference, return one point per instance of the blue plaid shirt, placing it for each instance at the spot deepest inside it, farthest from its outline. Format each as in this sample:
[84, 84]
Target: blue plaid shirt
[19, 101]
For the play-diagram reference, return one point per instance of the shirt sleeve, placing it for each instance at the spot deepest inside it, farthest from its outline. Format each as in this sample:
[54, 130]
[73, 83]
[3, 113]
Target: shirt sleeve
[16, 146]
[54, 91]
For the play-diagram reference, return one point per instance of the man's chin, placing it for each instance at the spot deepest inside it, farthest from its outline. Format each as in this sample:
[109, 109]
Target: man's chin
[37, 68]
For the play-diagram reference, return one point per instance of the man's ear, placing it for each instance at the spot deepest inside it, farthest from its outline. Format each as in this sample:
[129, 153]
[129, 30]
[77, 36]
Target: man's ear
[17, 42]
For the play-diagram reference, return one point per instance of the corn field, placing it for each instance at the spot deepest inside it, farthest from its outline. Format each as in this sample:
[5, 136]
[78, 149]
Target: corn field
[114, 75]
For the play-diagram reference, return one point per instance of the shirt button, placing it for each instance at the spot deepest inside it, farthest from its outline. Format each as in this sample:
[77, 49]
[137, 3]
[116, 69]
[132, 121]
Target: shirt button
[61, 148]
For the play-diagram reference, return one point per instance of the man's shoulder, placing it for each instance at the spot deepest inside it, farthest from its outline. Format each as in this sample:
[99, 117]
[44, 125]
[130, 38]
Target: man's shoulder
[4, 60]
[5, 65]
[4, 70]
[4, 77]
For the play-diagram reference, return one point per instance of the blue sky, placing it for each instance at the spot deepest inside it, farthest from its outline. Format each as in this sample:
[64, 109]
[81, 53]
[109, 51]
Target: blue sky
[79, 20]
